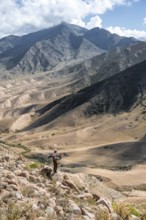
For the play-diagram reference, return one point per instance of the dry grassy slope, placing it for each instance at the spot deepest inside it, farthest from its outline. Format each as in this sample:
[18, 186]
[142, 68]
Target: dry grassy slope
[122, 92]
[22, 96]
[79, 127]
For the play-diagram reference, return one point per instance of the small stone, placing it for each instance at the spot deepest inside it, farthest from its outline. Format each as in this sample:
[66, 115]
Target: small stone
[14, 187]
[114, 216]
[50, 211]
[35, 207]
[102, 202]
[46, 170]
[86, 217]
[41, 185]
[10, 175]
[32, 179]
[41, 191]
[3, 185]
[95, 197]
[59, 210]
[85, 196]
[88, 212]
[52, 203]
[7, 158]
[18, 172]
[11, 181]
[24, 174]
[19, 195]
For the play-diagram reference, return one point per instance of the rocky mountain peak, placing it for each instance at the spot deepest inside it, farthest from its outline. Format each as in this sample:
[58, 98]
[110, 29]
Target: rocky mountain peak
[62, 43]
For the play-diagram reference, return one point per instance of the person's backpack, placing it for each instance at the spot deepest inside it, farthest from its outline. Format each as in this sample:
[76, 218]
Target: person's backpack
[57, 157]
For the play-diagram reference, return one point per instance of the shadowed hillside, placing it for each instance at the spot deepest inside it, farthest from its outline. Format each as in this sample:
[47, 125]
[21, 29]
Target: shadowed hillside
[116, 94]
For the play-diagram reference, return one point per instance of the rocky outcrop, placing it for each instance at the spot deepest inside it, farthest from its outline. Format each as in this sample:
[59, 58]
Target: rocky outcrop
[33, 192]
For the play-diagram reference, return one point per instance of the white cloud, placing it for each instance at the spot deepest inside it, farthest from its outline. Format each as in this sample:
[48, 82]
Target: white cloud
[94, 22]
[23, 16]
[144, 20]
[127, 32]
[79, 22]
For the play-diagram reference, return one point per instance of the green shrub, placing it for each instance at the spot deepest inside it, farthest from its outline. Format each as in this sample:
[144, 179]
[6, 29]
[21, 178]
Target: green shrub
[134, 211]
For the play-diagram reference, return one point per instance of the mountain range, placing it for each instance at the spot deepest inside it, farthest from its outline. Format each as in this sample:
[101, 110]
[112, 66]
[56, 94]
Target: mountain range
[43, 50]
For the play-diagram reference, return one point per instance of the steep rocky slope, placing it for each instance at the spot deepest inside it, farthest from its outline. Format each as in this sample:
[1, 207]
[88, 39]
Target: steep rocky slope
[43, 50]
[107, 41]
[29, 190]
[120, 59]
[104, 65]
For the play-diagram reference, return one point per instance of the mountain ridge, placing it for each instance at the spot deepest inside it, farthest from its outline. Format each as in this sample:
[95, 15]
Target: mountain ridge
[62, 42]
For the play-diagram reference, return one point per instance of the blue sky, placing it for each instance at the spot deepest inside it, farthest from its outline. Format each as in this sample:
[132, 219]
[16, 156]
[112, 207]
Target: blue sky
[130, 17]
[124, 17]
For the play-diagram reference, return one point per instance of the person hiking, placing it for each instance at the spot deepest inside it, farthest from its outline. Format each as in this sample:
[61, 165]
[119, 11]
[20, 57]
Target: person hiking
[55, 156]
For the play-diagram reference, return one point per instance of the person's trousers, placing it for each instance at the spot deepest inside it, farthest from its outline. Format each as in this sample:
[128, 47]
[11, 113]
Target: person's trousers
[55, 166]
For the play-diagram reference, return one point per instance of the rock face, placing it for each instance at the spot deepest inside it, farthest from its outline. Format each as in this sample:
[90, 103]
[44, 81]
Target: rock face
[43, 50]
[105, 40]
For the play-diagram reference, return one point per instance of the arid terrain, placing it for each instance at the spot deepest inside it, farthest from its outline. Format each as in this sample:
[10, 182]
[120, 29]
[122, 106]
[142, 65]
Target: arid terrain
[83, 92]
[109, 146]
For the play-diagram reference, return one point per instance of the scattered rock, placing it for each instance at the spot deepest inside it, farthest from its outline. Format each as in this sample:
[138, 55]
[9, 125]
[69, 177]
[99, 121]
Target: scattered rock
[59, 210]
[85, 196]
[74, 207]
[19, 195]
[86, 212]
[24, 174]
[7, 158]
[43, 196]
[57, 177]
[35, 207]
[86, 217]
[32, 179]
[13, 187]
[69, 183]
[50, 211]
[105, 203]
[114, 216]
[46, 170]
[95, 196]
[51, 203]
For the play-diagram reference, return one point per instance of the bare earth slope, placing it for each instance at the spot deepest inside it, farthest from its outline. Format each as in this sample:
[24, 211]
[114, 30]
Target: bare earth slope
[122, 92]
[99, 130]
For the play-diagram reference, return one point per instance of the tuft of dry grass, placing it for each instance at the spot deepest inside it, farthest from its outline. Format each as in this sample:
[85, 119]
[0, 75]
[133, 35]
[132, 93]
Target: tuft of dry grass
[101, 215]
